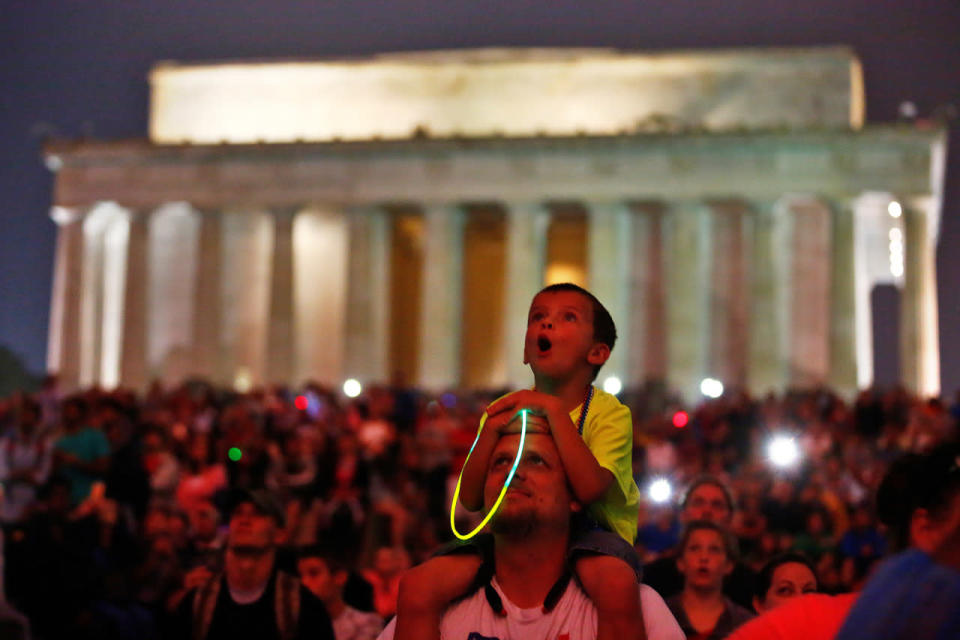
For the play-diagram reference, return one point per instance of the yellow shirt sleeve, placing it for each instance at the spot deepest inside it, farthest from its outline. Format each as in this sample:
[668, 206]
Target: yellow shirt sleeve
[608, 433]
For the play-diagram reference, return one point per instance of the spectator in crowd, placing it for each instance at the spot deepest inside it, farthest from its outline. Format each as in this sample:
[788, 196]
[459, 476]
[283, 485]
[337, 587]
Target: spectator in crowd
[25, 460]
[384, 575]
[707, 552]
[786, 576]
[252, 598]
[82, 452]
[708, 499]
[526, 589]
[324, 573]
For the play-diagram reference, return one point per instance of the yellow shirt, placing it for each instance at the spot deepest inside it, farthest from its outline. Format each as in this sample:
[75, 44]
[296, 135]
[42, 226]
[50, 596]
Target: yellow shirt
[608, 433]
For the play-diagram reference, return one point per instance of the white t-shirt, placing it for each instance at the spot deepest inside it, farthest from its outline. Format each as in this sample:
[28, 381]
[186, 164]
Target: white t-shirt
[574, 618]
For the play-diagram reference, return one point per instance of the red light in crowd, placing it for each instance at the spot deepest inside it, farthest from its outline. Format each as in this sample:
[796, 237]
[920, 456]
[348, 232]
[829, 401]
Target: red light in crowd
[680, 419]
[300, 403]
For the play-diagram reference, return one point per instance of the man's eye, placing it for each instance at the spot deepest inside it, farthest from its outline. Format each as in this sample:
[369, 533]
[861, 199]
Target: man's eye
[570, 316]
[500, 461]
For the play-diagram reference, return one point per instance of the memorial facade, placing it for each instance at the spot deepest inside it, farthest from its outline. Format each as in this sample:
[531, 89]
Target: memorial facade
[395, 215]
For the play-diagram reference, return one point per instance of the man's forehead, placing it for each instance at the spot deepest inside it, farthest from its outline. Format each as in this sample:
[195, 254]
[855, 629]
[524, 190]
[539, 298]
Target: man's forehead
[540, 442]
[708, 491]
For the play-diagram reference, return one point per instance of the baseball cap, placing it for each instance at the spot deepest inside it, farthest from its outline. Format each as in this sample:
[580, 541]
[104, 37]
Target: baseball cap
[263, 501]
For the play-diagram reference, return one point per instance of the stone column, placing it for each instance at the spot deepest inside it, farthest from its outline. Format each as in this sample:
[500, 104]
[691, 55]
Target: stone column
[63, 347]
[280, 323]
[843, 352]
[609, 252]
[133, 349]
[526, 261]
[247, 244]
[688, 260]
[647, 360]
[810, 299]
[729, 294]
[368, 295]
[441, 316]
[919, 327]
[770, 228]
[207, 300]
[320, 283]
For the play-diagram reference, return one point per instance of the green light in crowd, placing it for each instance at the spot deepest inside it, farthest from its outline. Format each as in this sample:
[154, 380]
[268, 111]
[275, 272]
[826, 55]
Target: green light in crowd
[234, 454]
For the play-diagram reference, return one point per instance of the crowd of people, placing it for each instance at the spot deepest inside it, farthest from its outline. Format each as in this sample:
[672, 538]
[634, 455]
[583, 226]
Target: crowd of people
[115, 504]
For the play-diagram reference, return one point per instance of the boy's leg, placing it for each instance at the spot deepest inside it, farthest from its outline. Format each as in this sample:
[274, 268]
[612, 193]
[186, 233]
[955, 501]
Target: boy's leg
[612, 585]
[427, 589]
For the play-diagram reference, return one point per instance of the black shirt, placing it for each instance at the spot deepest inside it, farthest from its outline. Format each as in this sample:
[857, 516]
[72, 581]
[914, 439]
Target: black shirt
[257, 620]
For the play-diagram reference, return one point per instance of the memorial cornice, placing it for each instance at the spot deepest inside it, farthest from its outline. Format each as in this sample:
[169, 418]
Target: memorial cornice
[641, 165]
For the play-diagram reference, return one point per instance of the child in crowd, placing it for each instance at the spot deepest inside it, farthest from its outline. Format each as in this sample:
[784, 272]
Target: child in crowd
[707, 555]
[569, 337]
[324, 574]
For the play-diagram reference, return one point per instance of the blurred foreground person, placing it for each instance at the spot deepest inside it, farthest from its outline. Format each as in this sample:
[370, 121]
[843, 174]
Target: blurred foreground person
[914, 594]
[251, 598]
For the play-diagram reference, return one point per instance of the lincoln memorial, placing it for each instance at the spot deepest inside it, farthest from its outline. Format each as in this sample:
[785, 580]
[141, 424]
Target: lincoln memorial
[393, 216]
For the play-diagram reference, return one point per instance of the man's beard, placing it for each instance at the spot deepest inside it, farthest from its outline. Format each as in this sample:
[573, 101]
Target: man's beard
[518, 523]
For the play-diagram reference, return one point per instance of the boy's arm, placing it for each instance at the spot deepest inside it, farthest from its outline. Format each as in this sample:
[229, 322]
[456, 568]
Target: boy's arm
[588, 479]
[475, 468]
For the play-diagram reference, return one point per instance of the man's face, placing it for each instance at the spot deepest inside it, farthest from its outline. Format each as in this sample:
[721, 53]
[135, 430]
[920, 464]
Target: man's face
[538, 494]
[315, 576]
[560, 334]
[250, 528]
[707, 502]
[703, 561]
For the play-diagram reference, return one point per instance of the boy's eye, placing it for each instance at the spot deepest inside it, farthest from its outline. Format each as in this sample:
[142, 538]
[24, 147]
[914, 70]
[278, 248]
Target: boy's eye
[570, 316]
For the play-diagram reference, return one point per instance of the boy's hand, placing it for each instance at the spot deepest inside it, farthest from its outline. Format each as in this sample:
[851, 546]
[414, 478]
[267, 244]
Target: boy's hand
[502, 413]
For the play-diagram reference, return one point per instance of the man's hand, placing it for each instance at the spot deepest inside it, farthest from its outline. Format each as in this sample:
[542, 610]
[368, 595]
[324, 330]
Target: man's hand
[502, 415]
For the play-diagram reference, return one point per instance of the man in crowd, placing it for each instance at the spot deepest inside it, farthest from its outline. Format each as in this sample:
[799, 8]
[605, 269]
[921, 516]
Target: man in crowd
[251, 598]
[323, 572]
[708, 498]
[530, 593]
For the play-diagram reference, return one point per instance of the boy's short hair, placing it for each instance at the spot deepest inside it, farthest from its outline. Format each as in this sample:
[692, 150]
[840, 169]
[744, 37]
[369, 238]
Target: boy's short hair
[712, 480]
[604, 330]
[729, 542]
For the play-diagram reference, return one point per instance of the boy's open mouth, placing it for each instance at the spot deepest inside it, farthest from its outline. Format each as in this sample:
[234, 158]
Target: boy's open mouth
[543, 343]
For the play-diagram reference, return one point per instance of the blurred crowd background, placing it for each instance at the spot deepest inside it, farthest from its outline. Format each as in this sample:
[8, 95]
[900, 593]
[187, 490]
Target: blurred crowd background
[110, 499]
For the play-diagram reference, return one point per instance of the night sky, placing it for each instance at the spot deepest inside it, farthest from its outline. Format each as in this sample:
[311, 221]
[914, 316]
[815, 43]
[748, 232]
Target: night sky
[79, 68]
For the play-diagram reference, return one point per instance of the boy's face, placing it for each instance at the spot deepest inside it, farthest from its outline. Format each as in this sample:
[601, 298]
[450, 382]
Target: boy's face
[316, 576]
[703, 561]
[559, 337]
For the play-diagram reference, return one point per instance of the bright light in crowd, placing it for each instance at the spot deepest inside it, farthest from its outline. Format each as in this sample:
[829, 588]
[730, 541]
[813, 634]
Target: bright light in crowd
[681, 419]
[711, 387]
[301, 402]
[234, 454]
[612, 385]
[783, 451]
[660, 490]
[894, 209]
[352, 388]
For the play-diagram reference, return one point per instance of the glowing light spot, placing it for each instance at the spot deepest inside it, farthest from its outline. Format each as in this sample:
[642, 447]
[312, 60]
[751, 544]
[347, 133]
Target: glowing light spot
[783, 452]
[242, 381]
[660, 490]
[612, 385]
[681, 419]
[711, 387]
[301, 403]
[352, 388]
[234, 454]
[448, 400]
[894, 209]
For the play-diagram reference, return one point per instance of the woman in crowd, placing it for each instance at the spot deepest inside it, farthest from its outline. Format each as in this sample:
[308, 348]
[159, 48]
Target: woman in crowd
[786, 576]
[707, 555]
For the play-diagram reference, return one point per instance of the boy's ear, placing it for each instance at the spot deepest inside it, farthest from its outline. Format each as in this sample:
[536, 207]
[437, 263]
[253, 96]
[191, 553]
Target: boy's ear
[340, 578]
[599, 353]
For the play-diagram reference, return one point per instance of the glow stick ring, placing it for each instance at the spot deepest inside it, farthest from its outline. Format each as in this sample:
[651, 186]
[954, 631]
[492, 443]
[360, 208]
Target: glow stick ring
[503, 492]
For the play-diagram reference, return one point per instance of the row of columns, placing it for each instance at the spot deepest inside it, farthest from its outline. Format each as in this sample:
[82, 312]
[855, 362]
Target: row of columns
[764, 295]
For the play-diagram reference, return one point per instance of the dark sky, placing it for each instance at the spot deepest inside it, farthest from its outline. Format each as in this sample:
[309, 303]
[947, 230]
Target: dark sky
[80, 67]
